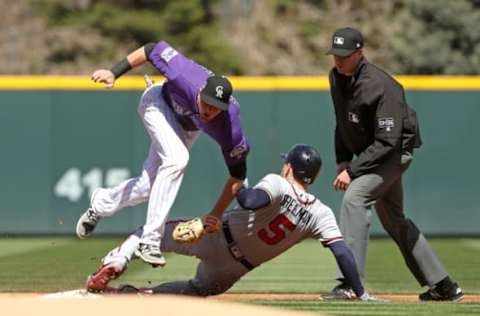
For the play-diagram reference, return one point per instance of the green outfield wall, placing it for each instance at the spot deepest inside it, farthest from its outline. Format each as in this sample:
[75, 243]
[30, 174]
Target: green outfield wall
[59, 142]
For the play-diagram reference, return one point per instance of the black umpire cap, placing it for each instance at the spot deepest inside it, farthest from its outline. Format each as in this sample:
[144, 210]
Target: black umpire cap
[217, 92]
[346, 41]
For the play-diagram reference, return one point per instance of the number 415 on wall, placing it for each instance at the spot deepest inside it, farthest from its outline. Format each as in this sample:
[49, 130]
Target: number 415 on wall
[73, 184]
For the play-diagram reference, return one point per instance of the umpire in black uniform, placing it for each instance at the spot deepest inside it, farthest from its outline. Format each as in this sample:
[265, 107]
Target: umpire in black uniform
[375, 137]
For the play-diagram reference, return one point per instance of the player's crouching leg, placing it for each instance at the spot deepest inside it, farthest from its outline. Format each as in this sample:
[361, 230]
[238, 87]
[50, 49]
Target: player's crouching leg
[98, 281]
[113, 266]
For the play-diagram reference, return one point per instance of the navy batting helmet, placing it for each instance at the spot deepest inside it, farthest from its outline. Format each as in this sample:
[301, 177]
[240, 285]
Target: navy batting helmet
[305, 161]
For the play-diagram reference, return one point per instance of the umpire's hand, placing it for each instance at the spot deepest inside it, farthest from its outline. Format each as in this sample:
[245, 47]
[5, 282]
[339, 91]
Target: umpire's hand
[104, 76]
[342, 181]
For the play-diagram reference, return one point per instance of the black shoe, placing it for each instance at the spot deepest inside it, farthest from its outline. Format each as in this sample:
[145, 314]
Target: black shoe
[340, 292]
[451, 292]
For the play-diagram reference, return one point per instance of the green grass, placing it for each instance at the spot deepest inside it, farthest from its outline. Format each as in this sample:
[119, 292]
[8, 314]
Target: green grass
[57, 264]
[378, 309]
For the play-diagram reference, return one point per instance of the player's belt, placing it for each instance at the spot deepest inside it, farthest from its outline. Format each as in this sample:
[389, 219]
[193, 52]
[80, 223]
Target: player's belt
[233, 248]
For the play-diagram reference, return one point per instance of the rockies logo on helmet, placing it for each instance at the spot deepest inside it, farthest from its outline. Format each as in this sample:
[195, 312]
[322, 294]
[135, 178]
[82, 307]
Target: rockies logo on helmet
[219, 90]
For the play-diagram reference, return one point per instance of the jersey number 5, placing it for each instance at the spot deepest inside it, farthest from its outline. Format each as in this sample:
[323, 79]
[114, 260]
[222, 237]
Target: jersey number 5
[277, 232]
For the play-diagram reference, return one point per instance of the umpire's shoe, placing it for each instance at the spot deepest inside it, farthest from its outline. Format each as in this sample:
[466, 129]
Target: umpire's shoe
[150, 253]
[98, 281]
[87, 222]
[445, 290]
[340, 292]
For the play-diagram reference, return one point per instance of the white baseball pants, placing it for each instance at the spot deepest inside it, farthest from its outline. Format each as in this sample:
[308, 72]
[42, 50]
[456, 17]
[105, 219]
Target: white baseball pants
[162, 171]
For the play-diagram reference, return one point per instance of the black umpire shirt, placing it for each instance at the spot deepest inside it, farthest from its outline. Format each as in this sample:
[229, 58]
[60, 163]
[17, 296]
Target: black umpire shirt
[373, 119]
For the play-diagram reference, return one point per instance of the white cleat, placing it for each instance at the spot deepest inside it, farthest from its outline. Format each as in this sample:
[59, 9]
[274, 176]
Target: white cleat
[151, 254]
[86, 223]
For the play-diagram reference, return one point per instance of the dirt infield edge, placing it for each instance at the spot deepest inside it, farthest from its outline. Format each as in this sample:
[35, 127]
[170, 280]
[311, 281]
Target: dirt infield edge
[235, 297]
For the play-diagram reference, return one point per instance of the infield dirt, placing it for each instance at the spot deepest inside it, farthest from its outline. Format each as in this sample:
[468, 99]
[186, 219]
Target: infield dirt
[23, 304]
[127, 305]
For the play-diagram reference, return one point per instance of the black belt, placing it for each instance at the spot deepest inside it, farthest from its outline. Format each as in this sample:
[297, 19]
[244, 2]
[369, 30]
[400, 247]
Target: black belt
[233, 248]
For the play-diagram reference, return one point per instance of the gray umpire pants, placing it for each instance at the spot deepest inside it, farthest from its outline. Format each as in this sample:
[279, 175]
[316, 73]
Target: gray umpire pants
[383, 189]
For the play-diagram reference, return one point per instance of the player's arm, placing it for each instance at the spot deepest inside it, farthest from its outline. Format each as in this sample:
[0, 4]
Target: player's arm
[230, 189]
[346, 263]
[235, 148]
[253, 198]
[238, 174]
[136, 58]
[187, 231]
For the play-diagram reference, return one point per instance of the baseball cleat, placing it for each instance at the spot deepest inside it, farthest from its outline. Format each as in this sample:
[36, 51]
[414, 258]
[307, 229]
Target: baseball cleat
[98, 281]
[372, 298]
[451, 293]
[340, 292]
[86, 223]
[151, 254]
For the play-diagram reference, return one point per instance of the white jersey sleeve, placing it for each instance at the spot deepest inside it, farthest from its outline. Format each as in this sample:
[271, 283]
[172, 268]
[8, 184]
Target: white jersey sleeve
[324, 225]
[272, 184]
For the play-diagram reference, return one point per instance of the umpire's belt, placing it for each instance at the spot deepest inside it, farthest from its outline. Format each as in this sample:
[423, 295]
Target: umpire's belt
[233, 248]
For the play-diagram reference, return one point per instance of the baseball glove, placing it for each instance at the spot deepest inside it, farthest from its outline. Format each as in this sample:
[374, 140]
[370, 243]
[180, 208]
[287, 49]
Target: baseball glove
[189, 232]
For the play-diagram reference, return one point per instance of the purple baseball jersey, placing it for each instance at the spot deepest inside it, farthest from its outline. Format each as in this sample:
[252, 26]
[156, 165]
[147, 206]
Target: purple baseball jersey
[185, 79]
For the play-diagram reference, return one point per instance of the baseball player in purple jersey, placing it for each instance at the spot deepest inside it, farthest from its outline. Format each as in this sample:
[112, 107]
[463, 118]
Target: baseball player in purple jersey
[272, 217]
[192, 99]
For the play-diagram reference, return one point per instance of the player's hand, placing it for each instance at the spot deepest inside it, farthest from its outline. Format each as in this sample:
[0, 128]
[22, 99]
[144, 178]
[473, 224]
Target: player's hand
[104, 76]
[212, 224]
[342, 166]
[342, 181]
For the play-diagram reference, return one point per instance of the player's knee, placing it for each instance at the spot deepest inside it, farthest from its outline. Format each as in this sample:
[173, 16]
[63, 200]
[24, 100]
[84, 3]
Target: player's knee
[150, 96]
[142, 107]
[183, 159]
[180, 161]
[143, 185]
[214, 289]
[209, 288]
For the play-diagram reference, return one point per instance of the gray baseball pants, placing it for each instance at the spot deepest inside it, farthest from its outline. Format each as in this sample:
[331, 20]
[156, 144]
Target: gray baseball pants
[216, 272]
[383, 189]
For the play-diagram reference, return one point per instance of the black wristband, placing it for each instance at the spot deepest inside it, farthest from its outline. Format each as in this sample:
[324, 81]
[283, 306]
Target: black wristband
[121, 68]
[238, 171]
[148, 49]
